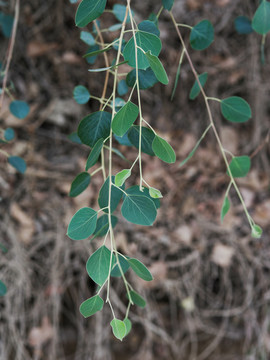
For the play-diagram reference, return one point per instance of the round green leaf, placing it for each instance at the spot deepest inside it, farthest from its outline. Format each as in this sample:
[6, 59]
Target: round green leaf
[147, 78]
[18, 163]
[235, 109]
[122, 176]
[157, 68]
[202, 35]
[94, 154]
[90, 306]
[119, 329]
[155, 193]
[128, 325]
[75, 138]
[242, 25]
[122, 88]
[139, 209]
[79, 184]
[145, 41]
[7, 24]
[194, 92]
[89, 10]
[9, 134]
[225, 208]
[103, 225]
[103, 198]
[260, 21]
[137, 299]
[147, 139]
[98, 265]
[82, 224]
[124, 266]
[81, 95]
[19, 108]
[119, 12]
[239, 166]
[149, 26]
[163, 150]
[124, 118]
[256, 232]
[135, 190]
[168, 4]
[140, 269]
[87, 38]
[3, 289]
[94, 127]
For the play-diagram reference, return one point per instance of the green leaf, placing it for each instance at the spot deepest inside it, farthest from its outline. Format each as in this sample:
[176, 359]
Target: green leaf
[137, 299]
[75, 138]
[235, 109]
[115, 27]
[261, 19]
[195, 91]
[242, 25]
[155, 193]
[94, 154]
[103, 225]
[147, 139]
[116, 195]
[125, 117]
[94, 51]
[3, 289]
[19, 108]
[147, 78]
[122, 88]
[202, 35]
[157, 68]
[140, 269]
[123, 140]
[139, 209]
[122, 176]
[9, 134]
[239, 166]
[81, 95]
[91, 306]
[79, 184]
[225, 208]
[119, 329]
[87, 38]
[91, 50]
[98, 265]
[119, 12]
[149, 26]
[168, 4]
[89, 10]
[128, 325]
[256, 231]
[135, 190]
[18, 163]
[82, 224]
[163, 150]
[7, 24]
[94, 127]
[145, 41]
[124, 266]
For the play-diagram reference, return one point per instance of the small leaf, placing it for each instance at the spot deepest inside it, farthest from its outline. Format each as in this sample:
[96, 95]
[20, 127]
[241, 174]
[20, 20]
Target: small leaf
[91, 50]
[123, 140]
[119, 12]
[202, 35]
[89, 10]
[82, 224]
[157, 68]
[122, 176]
[163, 150]
[7, 24]
[147, 78]
[87, 38]
[147, 139]
[96, 51]
[128, 325]
[124, 266]
[149, 26]
[103, 225]
[9, 134]
[90, 306]
[195, 91]
[119, 329]
[137, 299]
[144, 41]
[125, 117]
[122, 88]
[79, 184]
[75, 138]
[235, 109]
[81, 95]
[140, 269]
[94, 127]
[115, 27]
[239, 166]
[256, 231]
[103, 198]
[155, 193]
[225, 208]
[242, 25]
[168, 4]
[3, 289]
[98, 265]
[18, 163]
[94, 154]
[19, 108]
[260, 21]
[138, 209]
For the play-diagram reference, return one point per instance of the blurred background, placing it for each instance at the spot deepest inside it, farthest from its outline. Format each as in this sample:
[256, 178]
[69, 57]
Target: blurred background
[210, 298]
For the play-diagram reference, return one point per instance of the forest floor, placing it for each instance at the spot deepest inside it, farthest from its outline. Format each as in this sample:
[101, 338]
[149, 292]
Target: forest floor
[210, 298]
